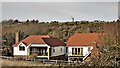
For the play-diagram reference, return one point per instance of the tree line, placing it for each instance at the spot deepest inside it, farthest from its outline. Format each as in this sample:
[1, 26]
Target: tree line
[16, 21]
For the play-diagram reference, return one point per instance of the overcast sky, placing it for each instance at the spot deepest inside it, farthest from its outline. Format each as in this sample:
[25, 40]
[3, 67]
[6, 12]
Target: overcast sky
[61, 11]
[60, 0]
[119, 10]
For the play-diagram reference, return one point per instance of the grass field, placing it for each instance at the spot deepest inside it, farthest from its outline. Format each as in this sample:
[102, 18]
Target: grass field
[6, 62]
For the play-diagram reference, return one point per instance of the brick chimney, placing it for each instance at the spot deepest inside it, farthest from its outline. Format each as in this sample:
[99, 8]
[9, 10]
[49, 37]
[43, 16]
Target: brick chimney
[17, 37]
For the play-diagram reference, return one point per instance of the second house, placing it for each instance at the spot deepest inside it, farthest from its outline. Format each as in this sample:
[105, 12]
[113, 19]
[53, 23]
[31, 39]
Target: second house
[80, 45]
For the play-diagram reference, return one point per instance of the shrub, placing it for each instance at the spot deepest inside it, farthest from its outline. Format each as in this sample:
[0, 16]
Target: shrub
[32, 56]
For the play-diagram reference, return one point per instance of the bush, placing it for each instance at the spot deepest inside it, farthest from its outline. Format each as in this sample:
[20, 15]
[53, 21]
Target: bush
[32, 56]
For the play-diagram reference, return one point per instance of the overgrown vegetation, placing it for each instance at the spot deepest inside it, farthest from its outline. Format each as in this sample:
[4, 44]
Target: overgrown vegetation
[108, 51]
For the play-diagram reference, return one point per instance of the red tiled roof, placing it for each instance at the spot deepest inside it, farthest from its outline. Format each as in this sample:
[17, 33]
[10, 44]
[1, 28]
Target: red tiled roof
[41, 39]
[35, 39]
[54, 42]
[84, 39]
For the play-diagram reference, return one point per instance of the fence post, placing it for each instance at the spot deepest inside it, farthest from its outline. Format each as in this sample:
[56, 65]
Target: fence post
[69, 61]
[56, 61]
[43, 61]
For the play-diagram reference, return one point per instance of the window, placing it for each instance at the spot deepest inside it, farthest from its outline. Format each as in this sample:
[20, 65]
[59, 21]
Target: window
[61, 49]
[72, 50]
[34, 51]
[21, 48]
[81, 51]
[53, 50]
[88, 48]
[78, 51]
[40, 51]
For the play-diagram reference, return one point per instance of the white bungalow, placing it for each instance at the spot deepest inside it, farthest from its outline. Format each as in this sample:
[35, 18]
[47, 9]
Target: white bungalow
[42, 45]
[79, 45]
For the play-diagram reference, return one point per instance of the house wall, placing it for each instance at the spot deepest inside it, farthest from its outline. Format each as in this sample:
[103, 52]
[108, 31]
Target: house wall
[26, 52]
[85, 49]
[58, 51]
[17, 52]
